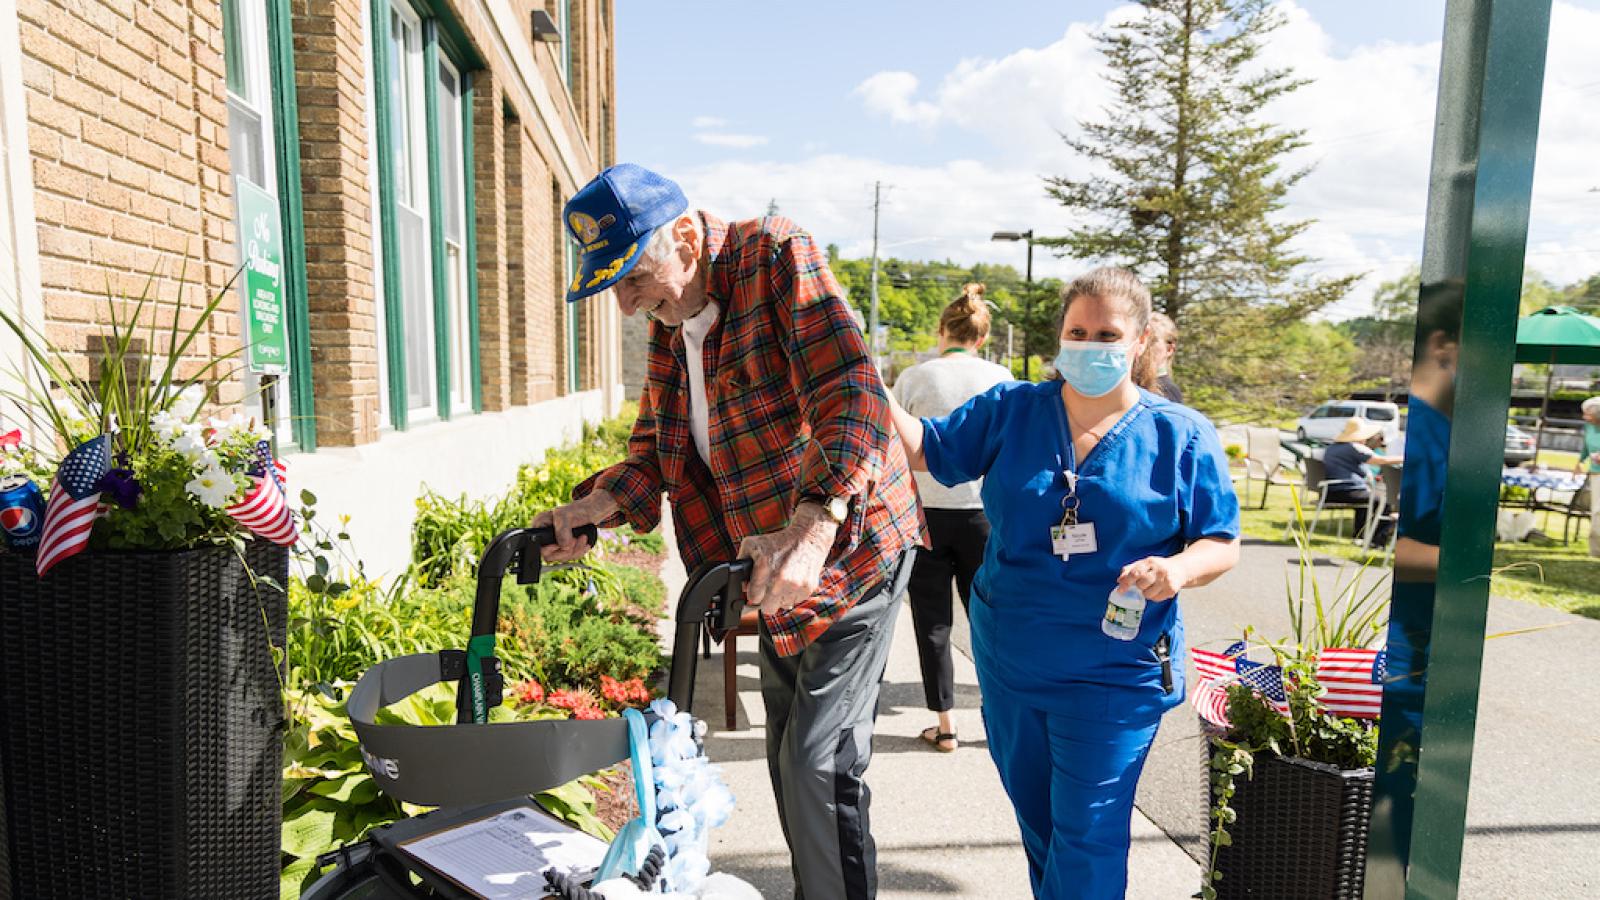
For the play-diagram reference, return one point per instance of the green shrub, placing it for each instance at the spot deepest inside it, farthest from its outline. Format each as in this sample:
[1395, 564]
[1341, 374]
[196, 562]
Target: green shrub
[569, 629]
[449, 536]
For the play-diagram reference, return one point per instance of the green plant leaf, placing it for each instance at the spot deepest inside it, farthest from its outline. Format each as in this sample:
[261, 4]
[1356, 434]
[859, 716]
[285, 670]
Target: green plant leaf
[308, 832]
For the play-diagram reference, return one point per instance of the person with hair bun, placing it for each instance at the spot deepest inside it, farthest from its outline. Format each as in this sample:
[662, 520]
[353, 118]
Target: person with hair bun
[1153, 371]
[957, 528]
[1105, 502]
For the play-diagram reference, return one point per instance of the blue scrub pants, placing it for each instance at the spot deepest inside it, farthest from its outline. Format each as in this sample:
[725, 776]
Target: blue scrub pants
[1072, 783]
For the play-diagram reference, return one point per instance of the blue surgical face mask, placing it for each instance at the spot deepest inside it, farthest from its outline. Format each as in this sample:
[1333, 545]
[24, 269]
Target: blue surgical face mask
[1094, 369]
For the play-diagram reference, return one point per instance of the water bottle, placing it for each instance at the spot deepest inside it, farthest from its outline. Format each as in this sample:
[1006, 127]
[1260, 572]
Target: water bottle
[1124, 611]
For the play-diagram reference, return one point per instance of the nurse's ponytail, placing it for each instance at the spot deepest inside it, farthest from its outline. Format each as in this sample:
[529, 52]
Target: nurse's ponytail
[966, 319]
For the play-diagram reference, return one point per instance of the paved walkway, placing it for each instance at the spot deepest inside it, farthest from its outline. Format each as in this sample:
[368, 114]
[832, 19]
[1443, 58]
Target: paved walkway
[942, 822]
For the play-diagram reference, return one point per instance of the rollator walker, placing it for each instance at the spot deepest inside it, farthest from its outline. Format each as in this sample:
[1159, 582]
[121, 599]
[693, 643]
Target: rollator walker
[475, 769]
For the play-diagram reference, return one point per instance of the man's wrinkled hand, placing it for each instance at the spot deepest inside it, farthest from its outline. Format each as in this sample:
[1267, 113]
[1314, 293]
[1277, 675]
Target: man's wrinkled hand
[788, 564]
[590, 510]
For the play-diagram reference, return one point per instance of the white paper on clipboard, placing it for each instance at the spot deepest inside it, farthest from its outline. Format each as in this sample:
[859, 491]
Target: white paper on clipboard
[505, 856]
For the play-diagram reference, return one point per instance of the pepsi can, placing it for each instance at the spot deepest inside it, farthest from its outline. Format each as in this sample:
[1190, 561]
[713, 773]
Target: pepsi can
[21, 512]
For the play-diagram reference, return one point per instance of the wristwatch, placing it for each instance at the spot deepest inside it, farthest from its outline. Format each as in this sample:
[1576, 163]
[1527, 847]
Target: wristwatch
[837, 508]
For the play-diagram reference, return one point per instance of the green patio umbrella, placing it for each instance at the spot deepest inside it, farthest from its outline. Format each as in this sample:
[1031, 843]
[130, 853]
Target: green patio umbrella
[1557, 334]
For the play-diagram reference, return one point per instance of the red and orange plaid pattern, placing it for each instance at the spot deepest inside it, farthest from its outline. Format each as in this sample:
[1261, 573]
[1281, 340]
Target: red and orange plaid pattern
[797, 409]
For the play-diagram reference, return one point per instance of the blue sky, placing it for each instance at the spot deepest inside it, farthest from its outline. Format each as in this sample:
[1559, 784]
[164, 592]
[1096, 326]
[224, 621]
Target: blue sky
[957, 107]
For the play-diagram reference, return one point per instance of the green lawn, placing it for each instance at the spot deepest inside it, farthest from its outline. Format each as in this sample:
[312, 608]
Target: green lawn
[1560, 576]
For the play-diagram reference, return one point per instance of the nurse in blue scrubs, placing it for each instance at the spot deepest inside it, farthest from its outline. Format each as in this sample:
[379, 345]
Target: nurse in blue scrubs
[1092, 486]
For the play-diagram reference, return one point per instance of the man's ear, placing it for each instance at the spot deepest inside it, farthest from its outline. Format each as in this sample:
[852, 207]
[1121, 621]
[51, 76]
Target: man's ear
[687, 235]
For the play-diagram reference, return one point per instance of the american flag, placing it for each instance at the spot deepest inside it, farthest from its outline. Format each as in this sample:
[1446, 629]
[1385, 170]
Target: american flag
[74, 503]
[1352, 679]
[264, 510]
[1219, 670]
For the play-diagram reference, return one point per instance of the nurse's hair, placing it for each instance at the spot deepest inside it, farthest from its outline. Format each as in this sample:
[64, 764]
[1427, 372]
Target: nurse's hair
[966, 319]
[1112, 283]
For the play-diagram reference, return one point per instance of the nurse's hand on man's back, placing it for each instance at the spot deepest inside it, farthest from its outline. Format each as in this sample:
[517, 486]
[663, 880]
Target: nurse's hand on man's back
[1157, 577]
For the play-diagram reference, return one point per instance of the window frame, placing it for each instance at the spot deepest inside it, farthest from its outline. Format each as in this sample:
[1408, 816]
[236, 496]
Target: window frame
[264, 30]
[443, 44]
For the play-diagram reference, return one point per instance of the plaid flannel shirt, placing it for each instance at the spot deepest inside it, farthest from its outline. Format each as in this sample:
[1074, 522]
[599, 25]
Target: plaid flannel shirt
[796, 409]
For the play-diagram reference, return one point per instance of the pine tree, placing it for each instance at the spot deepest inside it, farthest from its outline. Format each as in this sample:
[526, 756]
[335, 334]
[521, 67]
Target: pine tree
[1187, 186]
[772, 207]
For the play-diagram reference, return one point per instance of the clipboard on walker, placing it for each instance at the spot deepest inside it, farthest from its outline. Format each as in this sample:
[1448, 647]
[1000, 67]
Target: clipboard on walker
[496, 851]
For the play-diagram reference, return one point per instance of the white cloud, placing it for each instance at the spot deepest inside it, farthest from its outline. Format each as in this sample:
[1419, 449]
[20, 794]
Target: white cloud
[708, 122]
[890, 93]
[724, 139]
[1368, 116]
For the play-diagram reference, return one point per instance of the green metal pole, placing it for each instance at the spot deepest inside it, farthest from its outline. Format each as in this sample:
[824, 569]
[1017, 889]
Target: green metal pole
[1491, 80]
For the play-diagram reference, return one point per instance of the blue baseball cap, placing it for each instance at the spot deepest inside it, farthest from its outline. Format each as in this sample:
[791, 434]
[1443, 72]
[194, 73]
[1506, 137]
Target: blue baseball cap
[611, 218]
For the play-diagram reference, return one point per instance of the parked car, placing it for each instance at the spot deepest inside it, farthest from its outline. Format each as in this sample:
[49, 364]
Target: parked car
[1519, 446]
[1324, 423]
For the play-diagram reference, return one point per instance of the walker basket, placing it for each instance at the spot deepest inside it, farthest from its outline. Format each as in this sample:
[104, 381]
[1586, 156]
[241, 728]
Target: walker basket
[1301, 832]
[141, 731]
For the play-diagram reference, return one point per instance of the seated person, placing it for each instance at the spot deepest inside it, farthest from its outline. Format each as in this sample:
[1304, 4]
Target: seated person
[1346, 460]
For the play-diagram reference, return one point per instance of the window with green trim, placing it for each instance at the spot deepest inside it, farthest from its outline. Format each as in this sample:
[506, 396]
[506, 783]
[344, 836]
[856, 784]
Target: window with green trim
[568, 44]
[425, 191]
[574, 320]
[252, 82]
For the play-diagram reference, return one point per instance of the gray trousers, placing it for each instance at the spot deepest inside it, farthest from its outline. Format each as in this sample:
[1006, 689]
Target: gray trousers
[821, 704]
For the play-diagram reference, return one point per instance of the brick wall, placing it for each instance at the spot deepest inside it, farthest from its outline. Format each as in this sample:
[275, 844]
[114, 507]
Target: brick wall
[128, 132]
[127, 128]
[335, 156]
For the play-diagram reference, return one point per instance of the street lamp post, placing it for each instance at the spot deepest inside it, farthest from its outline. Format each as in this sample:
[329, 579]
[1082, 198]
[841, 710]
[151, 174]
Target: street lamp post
[1027, 299]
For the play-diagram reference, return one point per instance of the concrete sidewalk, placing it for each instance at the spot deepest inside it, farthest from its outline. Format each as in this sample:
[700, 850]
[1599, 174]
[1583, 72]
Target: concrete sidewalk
[942, 822]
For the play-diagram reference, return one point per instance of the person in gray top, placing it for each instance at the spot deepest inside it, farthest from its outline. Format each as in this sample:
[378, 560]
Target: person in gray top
[957, 527]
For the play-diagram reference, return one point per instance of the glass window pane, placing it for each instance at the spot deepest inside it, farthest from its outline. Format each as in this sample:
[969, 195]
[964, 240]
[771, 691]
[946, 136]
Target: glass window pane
[417, 302]
[233, 49]
[450, 153]
[400, 105]
[246, 140]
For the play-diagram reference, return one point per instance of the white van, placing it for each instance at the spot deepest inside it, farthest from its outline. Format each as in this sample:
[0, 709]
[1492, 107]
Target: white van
[1324, 423]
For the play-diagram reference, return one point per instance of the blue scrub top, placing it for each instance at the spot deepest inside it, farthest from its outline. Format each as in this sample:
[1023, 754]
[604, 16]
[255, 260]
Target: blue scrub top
[1155, 483]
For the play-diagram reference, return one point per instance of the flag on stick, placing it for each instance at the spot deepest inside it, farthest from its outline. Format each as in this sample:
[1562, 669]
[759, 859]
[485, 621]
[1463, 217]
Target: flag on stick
[74, 503]
[264, 509]
[1352, 681]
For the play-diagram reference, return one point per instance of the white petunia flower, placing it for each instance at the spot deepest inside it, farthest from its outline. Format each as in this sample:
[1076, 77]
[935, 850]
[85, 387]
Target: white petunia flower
[167, 426]
[188, 401]
[192, 444]
[213, 486]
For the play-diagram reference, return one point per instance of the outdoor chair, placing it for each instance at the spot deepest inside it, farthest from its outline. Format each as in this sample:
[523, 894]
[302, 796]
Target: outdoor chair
[1577, 510]
[749, 623]
[1317, 484]
[1385, 504]
[1263, 461]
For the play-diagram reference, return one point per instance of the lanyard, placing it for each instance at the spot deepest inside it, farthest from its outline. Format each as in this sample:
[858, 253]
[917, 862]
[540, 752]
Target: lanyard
[1067, 459]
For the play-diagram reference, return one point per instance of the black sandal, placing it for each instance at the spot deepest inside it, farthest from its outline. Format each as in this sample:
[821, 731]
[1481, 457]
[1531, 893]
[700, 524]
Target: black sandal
[932, 735]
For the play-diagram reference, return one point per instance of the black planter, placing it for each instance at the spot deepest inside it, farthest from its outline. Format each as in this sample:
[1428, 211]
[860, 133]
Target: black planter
[1301, 832]
[141, 725]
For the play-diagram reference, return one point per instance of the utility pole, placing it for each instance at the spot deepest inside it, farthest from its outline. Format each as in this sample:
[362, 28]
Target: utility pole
[872, 320]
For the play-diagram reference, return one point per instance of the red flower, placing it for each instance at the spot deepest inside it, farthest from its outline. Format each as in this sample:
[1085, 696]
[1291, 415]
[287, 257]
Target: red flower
[567, 699]
[588, 712]
[624, 693]
[529, 691]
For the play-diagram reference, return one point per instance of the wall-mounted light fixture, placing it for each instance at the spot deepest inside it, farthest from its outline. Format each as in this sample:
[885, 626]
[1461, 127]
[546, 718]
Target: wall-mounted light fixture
[544, 27]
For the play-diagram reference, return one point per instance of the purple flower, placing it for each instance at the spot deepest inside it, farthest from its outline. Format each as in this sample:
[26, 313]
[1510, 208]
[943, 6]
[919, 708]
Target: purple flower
[122, 487]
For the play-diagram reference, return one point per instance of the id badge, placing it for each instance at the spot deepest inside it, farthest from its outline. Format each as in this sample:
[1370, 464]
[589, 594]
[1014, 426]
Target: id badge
[1065, 540]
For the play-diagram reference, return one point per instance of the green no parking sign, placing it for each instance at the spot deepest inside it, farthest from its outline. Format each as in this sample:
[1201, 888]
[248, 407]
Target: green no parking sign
[262, 245]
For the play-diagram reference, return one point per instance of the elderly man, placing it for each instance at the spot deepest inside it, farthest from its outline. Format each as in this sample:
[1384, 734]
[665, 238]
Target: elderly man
[765, 424]
[1589, 466]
